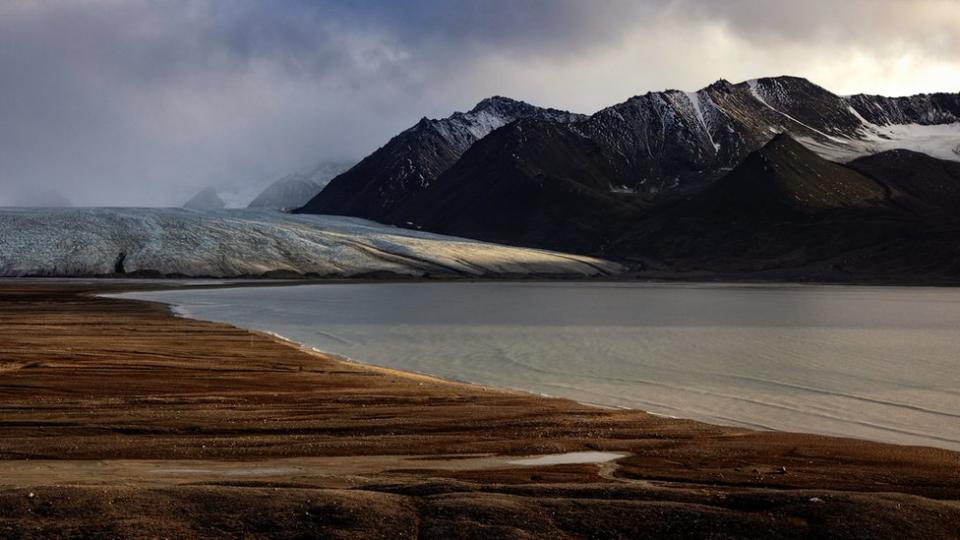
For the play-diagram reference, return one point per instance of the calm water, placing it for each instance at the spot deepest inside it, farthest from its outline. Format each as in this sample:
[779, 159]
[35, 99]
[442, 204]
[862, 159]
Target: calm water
[875, 363]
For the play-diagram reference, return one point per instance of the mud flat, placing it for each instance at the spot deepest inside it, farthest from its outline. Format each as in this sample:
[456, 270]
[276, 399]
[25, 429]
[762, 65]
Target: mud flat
[121, 420]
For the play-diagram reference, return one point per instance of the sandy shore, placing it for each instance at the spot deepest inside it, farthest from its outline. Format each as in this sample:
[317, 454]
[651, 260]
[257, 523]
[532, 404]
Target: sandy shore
[120, 420]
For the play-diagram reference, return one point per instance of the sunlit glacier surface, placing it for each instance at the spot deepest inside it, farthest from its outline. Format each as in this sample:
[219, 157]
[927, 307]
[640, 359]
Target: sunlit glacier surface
[878, 363]
[70, 242]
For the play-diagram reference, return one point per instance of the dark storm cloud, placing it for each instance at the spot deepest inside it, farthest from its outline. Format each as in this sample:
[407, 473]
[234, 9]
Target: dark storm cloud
[144, 102]
[526, 27]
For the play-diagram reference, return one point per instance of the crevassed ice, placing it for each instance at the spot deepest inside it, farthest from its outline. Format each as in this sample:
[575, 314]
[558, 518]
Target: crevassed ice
[232, 243]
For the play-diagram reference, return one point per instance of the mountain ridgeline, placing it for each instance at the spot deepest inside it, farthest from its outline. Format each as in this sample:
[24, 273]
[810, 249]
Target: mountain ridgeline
[773, 176]
[410, 162]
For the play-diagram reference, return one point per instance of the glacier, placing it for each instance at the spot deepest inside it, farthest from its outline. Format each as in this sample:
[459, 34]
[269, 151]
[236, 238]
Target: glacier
[72, 242]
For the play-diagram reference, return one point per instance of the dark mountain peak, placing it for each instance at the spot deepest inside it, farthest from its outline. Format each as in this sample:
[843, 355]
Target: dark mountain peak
[783, 149]
[641, 101]
[495, 105]
[632, 100]
[531, 138]
[786, 87]
[500, 103]
[721, 85]
[785, 176]
[784, 141]
[508, 110]
[787, 79]
[409, 162]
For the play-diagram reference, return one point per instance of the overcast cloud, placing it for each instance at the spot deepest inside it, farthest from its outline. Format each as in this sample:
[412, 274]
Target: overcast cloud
[126, 102]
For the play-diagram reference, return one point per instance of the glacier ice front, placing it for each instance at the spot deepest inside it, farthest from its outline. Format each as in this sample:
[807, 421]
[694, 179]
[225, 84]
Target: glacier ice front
[67, 242]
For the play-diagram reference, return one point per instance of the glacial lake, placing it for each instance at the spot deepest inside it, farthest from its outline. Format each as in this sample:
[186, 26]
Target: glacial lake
[880, 363]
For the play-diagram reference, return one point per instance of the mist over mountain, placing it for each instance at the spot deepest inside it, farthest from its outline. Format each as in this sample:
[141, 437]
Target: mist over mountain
[34, 197]
[297, 189]
[290, 192]
[207, 199]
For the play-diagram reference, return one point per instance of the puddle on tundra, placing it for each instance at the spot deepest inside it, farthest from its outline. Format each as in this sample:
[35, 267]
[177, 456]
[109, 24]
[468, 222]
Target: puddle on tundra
[570, 458]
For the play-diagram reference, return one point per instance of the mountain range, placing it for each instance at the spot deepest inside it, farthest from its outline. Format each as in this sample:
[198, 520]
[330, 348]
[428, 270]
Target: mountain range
[774, 175]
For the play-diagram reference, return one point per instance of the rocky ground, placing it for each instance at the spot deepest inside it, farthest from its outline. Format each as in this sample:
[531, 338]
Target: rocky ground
[120, 420]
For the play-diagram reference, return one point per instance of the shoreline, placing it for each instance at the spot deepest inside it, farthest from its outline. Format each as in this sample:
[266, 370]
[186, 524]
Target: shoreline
[848, 423]
[436, 379]
[100, 380]
[653, 278]
[177, 311]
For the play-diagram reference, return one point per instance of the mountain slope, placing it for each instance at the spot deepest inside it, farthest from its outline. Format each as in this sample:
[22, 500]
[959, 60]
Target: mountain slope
[921, 109]
[409, 162]
[788, 211]
[673, 141]
[532, 183]
[933, 184]
[784, 180]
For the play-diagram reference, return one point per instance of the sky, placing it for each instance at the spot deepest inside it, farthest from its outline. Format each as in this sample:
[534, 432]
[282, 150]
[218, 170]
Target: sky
[143, 103]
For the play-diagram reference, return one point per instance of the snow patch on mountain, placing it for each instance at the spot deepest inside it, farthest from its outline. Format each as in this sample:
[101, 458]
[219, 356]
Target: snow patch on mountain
[939, 141]
[841, 128]
[694, 98]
